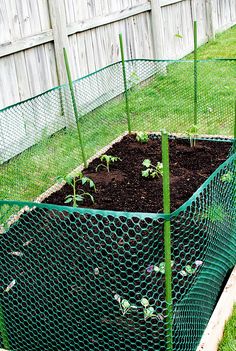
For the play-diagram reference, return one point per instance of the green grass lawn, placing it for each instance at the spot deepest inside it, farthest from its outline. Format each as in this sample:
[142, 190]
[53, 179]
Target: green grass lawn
[224, 46]
[228, 343]
[166, 102]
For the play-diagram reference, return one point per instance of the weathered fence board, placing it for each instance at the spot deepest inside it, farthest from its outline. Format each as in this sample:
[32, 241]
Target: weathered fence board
[32, 35]
[92, 28]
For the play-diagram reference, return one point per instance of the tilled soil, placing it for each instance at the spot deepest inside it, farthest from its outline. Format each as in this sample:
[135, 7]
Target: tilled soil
[124, 188]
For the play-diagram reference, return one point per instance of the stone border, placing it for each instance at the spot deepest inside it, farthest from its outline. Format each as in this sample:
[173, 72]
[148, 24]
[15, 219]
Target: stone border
[215, 328]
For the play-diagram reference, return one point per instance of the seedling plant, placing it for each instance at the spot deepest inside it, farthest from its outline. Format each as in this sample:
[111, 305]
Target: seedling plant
[227, 177]
[142, 137]
[192, 134]
[152, 171]
[107, 159]
[125, 307]
[80, 194]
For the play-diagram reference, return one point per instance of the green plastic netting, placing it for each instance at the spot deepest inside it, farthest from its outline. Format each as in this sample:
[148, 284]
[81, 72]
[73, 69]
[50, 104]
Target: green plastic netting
[62, 268]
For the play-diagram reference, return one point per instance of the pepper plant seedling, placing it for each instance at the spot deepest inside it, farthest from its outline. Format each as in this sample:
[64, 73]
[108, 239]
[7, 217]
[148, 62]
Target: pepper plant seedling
[151, 170]
[108, 159]
[73, 181]
[192, 134]
[142, 137]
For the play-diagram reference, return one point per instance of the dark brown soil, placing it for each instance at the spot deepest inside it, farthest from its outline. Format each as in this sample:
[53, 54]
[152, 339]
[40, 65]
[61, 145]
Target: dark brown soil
[124, 188]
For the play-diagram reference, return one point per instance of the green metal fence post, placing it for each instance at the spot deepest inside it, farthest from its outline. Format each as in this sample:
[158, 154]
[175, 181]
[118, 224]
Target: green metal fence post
[235, 120]
[195, 73]
[74, 106]
[125, 82]
[234, 142]
[167, 239]
[3, 330]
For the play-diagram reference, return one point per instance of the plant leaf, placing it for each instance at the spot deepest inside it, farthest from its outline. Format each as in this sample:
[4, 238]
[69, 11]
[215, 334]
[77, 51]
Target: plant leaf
[146, 163]
[68, 200]
[125, 304]
[145, 302]
[156, 269]
[146, 173]
[69, 179]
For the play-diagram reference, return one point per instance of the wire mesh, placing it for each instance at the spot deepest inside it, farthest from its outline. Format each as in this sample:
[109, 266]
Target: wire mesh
[36, 135]
[65, 272]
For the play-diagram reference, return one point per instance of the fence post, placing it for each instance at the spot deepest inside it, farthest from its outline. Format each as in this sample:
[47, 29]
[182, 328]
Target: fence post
[157, 29]
[125, 82]
[167, 239]
[195, 73]
[76, 113]
[58, 22]
[210, 19]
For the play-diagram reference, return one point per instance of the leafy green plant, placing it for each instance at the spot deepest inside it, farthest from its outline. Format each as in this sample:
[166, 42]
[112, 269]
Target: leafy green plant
[151, 170]
[125, 305]
[108, 159]
[214, 213]
[148, 310]
[73, 181]
[142, 137]
[192, 134]
[227, 177]
[190, 270]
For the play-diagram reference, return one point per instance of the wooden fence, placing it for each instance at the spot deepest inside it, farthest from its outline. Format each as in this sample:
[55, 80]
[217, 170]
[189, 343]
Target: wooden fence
[33, 32]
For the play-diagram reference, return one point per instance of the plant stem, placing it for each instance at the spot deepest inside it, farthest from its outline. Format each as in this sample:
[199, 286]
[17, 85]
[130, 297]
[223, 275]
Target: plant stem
[3, 330]
[195, 73]
[74, 107]
[125, 82]
[167, 239]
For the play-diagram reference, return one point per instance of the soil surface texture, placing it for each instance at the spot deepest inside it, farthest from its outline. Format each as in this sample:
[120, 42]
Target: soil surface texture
[124, 188]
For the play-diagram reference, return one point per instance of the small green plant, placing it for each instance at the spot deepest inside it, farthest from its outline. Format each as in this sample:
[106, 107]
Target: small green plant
[227, 177]
[108, 159]
[151, 170]
[73, 181]
[148, 310]
[142, 137]
[192, 134]
[214, 213]
[190, 270]
[133, 81]
[125, 305]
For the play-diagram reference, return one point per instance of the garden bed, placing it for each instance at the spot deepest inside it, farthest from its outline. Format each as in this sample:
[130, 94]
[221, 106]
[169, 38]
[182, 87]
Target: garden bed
[124, 189]
[66, 268]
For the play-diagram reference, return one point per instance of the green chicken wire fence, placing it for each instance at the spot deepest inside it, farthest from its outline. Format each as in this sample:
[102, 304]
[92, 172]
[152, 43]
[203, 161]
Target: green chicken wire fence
[64, 270]
[35, 140]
